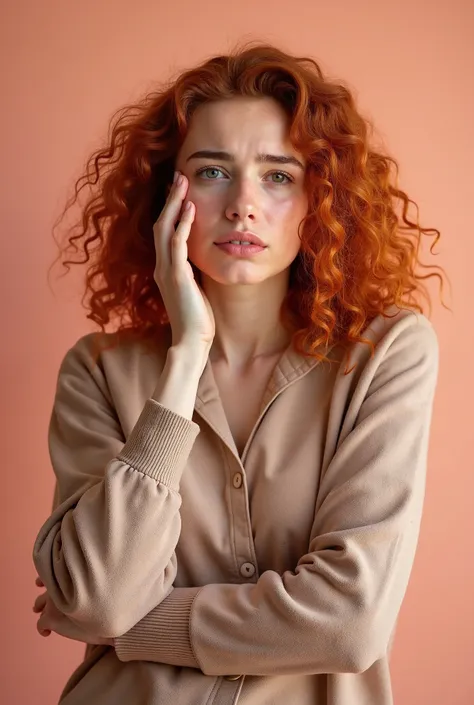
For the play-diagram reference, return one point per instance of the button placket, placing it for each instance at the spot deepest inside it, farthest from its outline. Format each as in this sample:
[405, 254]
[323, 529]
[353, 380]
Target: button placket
[240, 517]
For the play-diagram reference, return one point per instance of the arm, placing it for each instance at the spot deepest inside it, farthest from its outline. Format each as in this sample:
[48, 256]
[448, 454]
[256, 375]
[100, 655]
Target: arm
[113, 531]
[336, 612]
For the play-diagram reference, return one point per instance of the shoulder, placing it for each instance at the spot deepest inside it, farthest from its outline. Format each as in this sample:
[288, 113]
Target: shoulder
[104, 367]
[404, 353]
[400, 335]
[405, 340]
[405, 324]
[399, 379]
[98, 351]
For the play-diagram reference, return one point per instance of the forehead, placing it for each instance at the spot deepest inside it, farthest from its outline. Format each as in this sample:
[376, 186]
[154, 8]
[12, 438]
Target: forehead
[239, 123]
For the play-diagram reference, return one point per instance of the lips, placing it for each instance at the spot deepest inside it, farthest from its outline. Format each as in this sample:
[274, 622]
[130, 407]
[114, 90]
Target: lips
[240, 236]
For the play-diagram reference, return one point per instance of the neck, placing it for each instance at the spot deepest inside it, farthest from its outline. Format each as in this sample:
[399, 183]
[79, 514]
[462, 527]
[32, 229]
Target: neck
[247, 317]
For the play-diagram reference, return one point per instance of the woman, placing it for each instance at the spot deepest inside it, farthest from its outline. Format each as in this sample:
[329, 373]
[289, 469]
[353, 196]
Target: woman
[241, 465]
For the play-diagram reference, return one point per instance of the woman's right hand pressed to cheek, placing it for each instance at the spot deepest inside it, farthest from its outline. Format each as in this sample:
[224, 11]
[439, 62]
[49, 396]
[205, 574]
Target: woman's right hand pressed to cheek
[189, 311]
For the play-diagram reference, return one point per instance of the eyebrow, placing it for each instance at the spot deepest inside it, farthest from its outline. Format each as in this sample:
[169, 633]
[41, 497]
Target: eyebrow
[261, 158]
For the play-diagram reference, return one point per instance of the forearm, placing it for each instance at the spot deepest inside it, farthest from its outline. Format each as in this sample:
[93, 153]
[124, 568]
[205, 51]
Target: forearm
[125, 507]
[178, 383]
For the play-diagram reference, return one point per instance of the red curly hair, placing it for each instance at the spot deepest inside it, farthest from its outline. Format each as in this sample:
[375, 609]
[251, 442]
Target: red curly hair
[358, 257]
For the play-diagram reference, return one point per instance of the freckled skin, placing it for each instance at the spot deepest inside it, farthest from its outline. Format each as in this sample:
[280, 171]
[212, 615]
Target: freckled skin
[243, 194]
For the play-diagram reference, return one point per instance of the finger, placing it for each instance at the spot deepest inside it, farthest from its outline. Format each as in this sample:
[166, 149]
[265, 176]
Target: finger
[170, 186]
[174, 200]
[40, 602]
[42, 627]
[169, 190]
[174, 204]
[164, 226]
[39, 582]
[179, 255]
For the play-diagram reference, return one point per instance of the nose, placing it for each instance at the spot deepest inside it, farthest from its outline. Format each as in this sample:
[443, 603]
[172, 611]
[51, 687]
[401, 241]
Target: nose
[242, 203]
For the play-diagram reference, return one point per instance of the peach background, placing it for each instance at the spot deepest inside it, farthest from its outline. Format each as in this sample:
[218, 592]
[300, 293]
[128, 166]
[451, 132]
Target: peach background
[66, 67]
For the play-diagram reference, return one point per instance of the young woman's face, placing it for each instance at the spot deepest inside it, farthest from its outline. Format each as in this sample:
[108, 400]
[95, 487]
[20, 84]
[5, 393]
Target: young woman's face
[235, 188]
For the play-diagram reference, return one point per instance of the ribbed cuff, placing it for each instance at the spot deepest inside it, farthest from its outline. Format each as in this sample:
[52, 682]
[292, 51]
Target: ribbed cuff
[163, 634]
[160, 443]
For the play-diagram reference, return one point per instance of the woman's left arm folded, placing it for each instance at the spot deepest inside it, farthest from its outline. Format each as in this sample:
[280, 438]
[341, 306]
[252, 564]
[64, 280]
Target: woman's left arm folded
[336, 611]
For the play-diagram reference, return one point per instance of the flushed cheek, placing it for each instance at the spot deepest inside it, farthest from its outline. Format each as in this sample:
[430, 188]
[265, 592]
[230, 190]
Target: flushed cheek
[207, 208]
[206, 225]
[286, 211]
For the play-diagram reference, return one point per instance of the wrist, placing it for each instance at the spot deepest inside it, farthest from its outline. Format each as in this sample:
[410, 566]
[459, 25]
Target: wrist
[179, 380]
[191, 356]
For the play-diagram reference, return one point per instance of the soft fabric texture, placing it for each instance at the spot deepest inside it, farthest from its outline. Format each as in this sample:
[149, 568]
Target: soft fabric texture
[286, 566]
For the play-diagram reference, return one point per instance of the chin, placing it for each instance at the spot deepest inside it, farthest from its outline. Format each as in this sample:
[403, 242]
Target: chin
[229, 271]
[232, 276]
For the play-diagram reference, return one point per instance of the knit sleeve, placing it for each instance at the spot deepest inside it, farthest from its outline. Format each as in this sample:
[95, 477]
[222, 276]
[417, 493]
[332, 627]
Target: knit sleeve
[106, 554]
[336, 611]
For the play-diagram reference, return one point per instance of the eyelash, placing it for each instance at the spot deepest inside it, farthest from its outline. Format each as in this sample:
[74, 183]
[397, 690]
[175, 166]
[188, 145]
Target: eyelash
[208, 168]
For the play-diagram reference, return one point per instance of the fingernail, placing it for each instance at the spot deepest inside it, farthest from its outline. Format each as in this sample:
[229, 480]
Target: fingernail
[180, 180]
[176, 174]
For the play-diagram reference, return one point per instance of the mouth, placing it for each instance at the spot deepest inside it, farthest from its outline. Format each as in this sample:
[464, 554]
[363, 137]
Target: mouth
[238, 248]
[244, 239]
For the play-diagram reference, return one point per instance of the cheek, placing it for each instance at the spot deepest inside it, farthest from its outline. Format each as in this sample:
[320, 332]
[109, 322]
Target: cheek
[287, 212]
[206, 222]
[207, 205]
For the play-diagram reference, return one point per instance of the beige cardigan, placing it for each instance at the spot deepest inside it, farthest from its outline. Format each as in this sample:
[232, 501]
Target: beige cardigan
[286, 566]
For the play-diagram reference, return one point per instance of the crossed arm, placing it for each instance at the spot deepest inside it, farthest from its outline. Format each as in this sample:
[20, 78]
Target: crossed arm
[336, 611]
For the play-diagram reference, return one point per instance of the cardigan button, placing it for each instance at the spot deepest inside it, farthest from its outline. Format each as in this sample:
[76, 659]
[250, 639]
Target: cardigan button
[232, 678]
[247, 570]
[237, 480]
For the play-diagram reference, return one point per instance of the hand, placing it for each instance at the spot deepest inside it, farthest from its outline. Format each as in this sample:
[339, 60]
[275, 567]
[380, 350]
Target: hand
[188, 308]
[52, 619]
